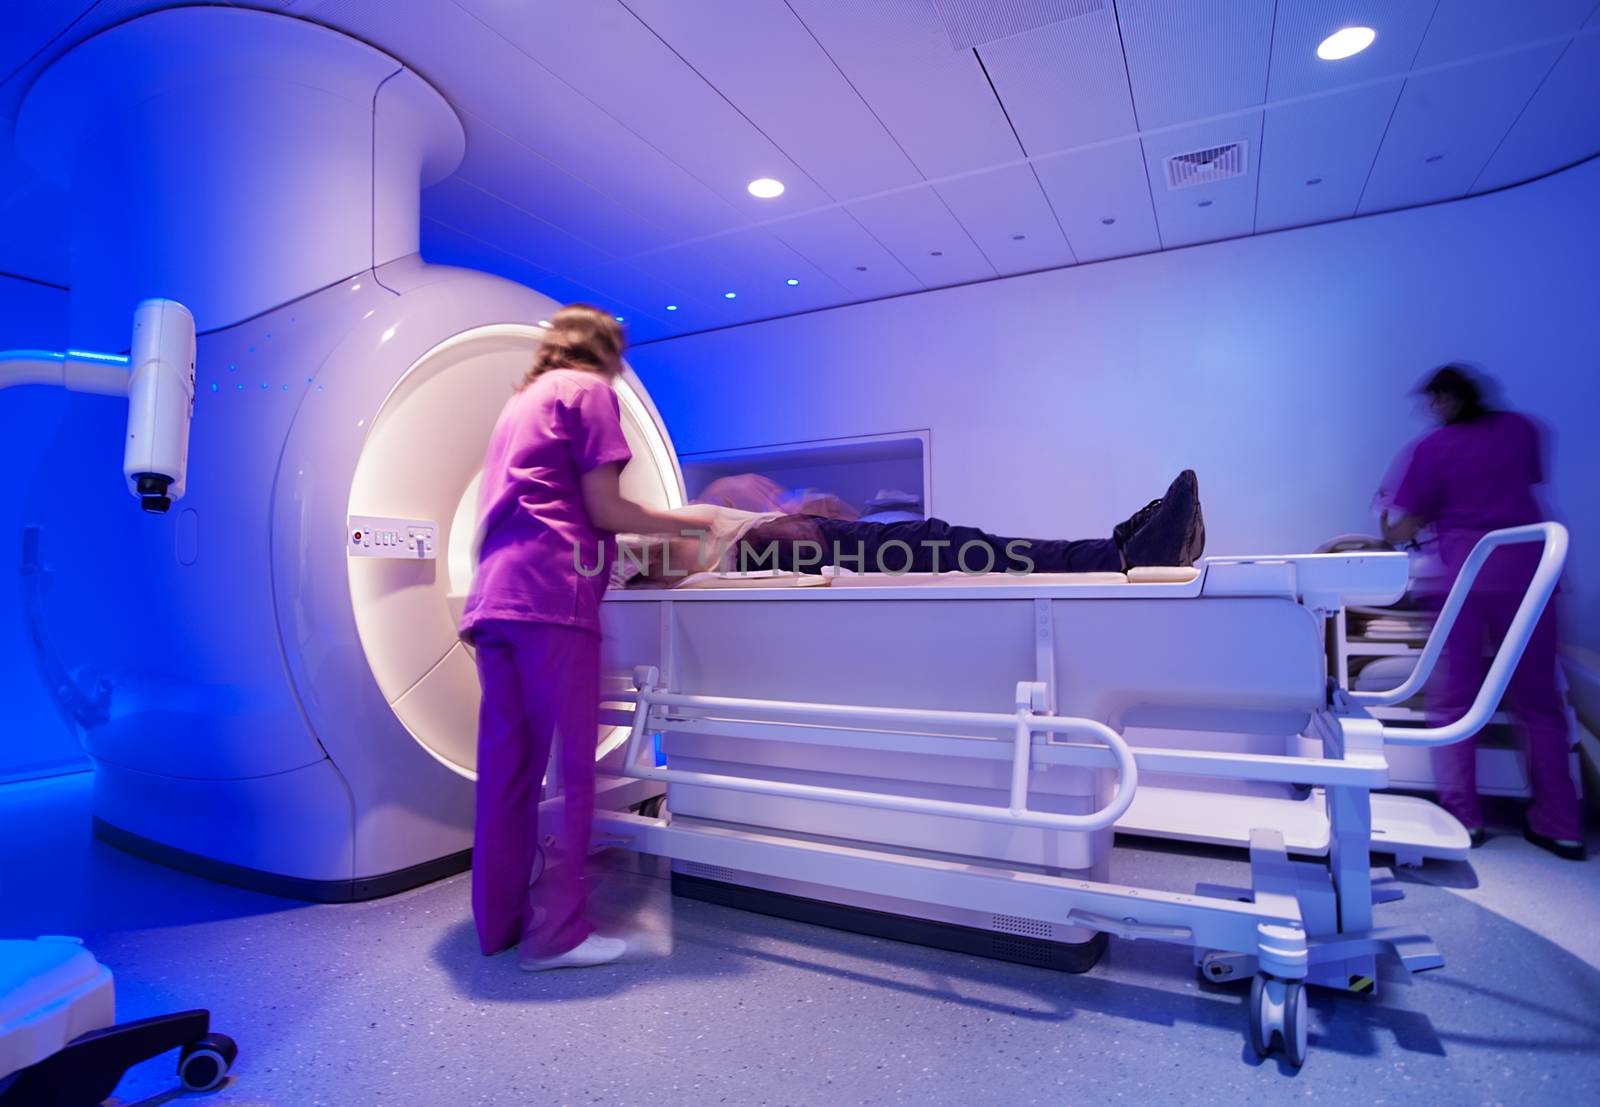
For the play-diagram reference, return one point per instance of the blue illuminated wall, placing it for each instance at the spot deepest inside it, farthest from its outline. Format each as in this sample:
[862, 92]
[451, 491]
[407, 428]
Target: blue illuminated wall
[1279, 367]
[33, 737]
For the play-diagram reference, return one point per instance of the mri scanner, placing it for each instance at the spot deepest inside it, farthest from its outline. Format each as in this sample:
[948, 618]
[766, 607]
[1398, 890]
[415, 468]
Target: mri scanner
[279, 698]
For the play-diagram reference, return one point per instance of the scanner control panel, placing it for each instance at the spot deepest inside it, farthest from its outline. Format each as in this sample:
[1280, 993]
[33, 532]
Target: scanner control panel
[399, 539]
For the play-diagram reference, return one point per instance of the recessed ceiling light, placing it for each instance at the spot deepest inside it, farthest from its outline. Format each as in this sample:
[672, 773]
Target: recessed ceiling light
[792, 281]
[730, 295]
[765, 188]
[1346, 43]
[544, 323]
[620, 319]
[672, 307]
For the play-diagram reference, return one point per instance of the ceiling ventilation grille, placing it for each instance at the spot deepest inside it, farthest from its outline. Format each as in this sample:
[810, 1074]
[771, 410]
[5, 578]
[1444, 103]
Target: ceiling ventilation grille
[973, 23]
[1219, 163]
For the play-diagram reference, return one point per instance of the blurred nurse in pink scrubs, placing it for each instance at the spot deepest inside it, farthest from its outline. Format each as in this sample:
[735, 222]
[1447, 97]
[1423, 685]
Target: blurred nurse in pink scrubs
[550, 504]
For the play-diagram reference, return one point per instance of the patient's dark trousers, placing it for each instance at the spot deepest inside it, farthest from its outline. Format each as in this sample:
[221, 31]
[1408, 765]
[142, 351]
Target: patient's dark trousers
[920, 546]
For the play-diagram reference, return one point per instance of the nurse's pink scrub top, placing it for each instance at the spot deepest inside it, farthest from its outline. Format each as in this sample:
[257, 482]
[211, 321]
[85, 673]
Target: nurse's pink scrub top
[531, 511]
[1467, 479]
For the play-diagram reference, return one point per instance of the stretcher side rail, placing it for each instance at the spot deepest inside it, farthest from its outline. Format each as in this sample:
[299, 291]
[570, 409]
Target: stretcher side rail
[1355, 769]
[1534, 600]
[1022, 725]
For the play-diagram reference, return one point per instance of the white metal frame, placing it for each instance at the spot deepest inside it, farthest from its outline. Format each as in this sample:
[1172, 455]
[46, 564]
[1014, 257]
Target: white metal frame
[1298, 921]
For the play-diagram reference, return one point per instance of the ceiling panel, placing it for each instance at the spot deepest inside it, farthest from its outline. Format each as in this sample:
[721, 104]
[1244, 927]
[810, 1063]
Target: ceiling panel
[754, 265]
[638, 80]
[1008, 216]
[499, 164]
[647, 294]
[835, 243]
[1301, 25]
[1316, 154]
[1102, 200]
[480, 72]
[1448, 123]
[916, 227]
[1561, 124]
[812, 113]
[1204, 213]
[934, 100]
[1196, 59]
[977, 22]
[1463, 28]
[459, 203]
[445, 245]
[1063, 85]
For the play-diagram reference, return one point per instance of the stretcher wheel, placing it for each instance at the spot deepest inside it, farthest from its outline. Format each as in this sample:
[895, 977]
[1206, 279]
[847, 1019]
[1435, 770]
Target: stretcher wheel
[203, 1065]
[1278, 1008]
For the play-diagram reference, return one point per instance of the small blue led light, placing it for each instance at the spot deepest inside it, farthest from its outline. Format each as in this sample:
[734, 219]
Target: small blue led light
[233, 368]
[213, 386]
[672, 307]
[240, 386]
[620, 319]
[729, 295]
[263, 386]
[791, 282]
[252, 349]
[286, 388]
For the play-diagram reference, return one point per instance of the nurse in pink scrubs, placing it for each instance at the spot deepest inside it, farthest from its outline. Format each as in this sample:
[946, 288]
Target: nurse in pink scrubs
[1475, 473]
[548, 513]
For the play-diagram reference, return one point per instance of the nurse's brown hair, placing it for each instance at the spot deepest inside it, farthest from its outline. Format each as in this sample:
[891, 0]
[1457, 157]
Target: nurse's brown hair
[580, 336]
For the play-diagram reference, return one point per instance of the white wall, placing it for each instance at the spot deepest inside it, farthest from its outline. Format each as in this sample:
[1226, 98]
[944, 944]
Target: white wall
[1278, 367]
[32, 734]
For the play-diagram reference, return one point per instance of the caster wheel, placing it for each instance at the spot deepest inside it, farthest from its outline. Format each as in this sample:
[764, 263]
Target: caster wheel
[1294, 1023]
[1260, 1032]
[1278, 1008]
[204, 1064]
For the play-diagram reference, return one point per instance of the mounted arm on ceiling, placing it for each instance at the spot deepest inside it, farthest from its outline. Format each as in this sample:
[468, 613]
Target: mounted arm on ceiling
[157, 377]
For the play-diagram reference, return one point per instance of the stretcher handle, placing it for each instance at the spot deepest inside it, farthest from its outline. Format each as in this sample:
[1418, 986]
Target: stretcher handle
[1529, 611]
[1130, 929]
[1023, 725]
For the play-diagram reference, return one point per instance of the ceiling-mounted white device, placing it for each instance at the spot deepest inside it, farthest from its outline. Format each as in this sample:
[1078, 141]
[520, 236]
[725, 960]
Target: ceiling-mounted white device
[156, 376]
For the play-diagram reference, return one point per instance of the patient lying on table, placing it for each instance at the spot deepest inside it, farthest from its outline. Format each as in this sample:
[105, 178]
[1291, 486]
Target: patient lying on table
[1166, 531]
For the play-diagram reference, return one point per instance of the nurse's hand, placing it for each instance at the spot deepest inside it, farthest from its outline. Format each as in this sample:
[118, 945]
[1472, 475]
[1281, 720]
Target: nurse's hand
[610, 510]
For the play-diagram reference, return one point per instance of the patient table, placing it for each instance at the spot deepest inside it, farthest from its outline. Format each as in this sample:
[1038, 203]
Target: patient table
[942, 759]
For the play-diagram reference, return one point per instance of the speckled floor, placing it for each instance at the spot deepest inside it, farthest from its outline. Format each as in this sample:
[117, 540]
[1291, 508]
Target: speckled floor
[390, 1003]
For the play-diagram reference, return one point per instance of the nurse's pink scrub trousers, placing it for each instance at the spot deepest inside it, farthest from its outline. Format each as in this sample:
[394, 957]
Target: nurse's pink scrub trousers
[541, 686]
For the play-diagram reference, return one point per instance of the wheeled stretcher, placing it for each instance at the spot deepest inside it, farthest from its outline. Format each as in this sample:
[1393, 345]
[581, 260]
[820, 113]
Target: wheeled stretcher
[951, 755]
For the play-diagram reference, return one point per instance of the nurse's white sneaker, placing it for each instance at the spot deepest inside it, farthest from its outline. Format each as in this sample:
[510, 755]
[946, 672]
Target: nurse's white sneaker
[593, 950]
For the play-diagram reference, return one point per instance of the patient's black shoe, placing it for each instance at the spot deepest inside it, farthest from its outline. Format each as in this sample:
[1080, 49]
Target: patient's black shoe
[1175, 533]
[1133, 523]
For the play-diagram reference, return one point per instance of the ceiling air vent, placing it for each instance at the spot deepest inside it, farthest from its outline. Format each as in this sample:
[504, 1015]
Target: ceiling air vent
[1204, 166]
[973, 23]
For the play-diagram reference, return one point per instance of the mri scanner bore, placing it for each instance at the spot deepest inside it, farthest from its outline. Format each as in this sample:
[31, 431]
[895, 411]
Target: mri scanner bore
[287, 704]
